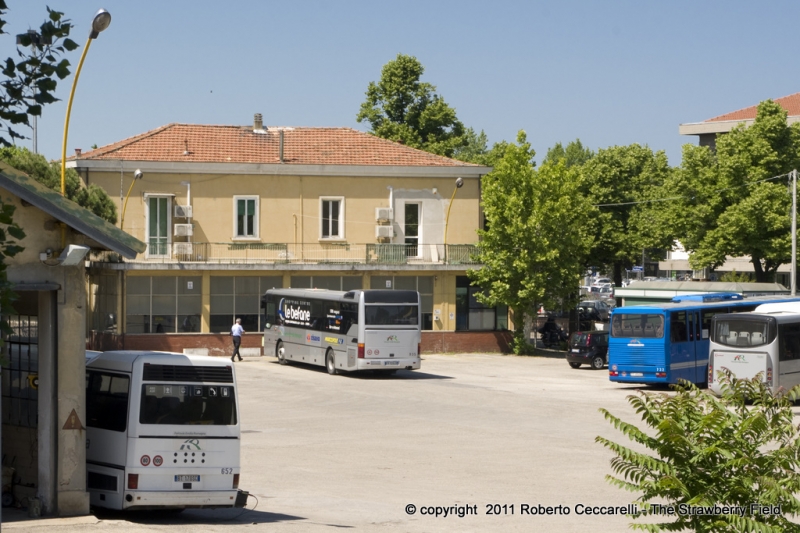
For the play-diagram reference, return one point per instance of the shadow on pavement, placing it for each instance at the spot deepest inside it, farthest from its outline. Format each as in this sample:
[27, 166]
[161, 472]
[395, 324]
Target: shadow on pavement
[370, 374]
[196, 516]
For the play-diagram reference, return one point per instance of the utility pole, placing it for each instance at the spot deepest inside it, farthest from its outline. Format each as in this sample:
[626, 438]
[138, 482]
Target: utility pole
[794, 232]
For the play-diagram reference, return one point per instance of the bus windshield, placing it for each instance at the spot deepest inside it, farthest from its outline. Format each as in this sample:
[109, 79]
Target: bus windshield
[642, 325]
[743, 332]
[182, 405]
[391, 315]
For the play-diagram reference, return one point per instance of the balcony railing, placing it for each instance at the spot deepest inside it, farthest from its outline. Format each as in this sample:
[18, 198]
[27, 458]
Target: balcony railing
[323, 253]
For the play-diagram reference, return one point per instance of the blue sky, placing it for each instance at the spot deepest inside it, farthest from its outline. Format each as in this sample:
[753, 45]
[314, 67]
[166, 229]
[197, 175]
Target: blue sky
[609, 73]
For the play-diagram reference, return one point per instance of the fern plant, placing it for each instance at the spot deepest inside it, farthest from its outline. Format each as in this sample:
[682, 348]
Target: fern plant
[720, 464]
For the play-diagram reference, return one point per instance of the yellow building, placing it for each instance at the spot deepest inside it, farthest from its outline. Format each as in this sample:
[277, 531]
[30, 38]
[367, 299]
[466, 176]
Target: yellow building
[230, 211]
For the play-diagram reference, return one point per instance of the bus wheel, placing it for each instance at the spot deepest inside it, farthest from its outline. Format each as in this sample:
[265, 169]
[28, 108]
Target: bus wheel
[598, 362]
[330, 364]
[279, 352]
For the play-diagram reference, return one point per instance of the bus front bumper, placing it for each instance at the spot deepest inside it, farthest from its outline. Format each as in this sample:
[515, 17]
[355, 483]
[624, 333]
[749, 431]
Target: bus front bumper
[189, 499]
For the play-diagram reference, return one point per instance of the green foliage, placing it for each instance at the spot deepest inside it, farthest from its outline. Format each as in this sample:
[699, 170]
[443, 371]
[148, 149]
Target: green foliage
[536, 242]
[575, 154]
[735, 277]
[30, 81]
[707, 451]
[620, 181]
[402, 108]
[10, 234]
[724, 207]
[93, 198]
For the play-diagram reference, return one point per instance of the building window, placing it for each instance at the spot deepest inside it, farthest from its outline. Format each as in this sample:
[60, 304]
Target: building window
[411, 228]
[333, 283]
[20, 397]
[332, 219]
[163, 304]
[422, 284]
[235, 297]
[471, 315]
[246, 211]
[158, 222]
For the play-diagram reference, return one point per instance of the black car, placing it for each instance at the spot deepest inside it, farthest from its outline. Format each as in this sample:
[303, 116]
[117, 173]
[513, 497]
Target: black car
[588, 347]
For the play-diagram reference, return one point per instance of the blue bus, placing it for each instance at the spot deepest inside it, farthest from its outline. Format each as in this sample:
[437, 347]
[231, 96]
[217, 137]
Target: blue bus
[664, 343]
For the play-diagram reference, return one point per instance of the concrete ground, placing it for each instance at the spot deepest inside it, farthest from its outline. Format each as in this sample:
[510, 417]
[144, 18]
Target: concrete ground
[322, 453]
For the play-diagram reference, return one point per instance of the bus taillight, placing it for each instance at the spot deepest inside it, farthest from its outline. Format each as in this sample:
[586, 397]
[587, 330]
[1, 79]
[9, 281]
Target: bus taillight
[769, 376]
[419, 349]
[133, 481]
[711, 369]
[661, 374]
[236, 481]
[613, 373]
[361, 350]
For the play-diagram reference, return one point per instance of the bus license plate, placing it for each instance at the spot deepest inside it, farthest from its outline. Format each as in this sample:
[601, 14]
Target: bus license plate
[189, 479]
[390, 363]
[637, 374]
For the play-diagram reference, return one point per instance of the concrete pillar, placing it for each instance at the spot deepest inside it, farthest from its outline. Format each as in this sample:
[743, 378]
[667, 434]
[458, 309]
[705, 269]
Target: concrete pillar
[47, 402]
[205, 302]
[72, 498]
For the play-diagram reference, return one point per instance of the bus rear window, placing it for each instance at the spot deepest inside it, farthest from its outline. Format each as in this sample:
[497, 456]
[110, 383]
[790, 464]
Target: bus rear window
[739, 332]
[186, 405]
[644, 325]
[391, 315]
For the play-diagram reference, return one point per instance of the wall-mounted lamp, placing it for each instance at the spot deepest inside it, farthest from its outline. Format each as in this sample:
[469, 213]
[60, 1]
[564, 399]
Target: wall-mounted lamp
[71, 256]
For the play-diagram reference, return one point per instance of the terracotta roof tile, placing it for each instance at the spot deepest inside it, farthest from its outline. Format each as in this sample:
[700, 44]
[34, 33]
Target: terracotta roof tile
[790, 103]
[239, 144]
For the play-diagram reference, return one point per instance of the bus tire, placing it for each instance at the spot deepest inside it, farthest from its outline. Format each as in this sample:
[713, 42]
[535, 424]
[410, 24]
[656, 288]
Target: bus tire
[330, 363]
[280, 353]
[598, 362]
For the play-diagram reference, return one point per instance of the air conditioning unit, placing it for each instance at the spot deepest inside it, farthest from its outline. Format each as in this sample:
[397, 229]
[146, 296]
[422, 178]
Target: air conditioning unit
[384, 232]
[183, 230]
[384, 213]
[182, 248]
[183, 211]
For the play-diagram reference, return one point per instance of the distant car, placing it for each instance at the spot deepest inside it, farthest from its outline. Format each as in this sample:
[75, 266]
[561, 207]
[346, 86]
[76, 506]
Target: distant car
[599, 282]
[603, 309]
[588, 347]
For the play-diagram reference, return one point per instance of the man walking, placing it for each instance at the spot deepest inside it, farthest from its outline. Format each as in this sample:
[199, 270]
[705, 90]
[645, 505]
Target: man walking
[236, 332]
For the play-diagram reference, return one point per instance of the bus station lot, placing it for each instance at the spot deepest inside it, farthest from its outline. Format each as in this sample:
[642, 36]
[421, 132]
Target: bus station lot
[492, 441]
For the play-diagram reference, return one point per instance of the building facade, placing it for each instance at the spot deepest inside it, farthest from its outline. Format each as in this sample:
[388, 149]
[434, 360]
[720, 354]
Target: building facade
[228, 212]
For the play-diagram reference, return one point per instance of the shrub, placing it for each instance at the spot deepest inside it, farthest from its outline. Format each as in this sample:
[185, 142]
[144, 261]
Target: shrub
[738, 450]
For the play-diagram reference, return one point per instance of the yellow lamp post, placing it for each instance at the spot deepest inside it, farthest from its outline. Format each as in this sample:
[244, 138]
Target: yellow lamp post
[100, 22]
[137, 175]
[459, 184]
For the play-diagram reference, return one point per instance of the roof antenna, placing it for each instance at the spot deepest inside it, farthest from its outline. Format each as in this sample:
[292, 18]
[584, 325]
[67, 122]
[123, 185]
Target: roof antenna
[186, 143]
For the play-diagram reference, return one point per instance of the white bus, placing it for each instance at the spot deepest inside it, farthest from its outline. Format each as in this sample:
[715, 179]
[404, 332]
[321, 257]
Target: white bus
[162, 431]
[344, 331]
[765, 341]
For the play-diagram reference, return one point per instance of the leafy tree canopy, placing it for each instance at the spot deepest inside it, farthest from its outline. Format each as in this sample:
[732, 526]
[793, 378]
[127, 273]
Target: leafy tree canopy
[727, 204]
[93, 198]
[30, 80]
[575, 154]
[402, 108]
[536, 242]
[620, 182]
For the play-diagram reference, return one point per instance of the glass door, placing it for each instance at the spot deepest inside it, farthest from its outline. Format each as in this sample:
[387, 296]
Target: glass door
[413, 214]
[158, 226]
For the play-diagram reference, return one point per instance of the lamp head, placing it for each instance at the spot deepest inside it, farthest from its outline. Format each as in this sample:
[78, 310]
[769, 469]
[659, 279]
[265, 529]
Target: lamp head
[100, 22]
[137, 174]
[459, 182]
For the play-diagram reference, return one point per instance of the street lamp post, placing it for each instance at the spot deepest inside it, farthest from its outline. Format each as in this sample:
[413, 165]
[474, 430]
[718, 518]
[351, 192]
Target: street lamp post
[137, 175]
[100, 22]
[459, 184]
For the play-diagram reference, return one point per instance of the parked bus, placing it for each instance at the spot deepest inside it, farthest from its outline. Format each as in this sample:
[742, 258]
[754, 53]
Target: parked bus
[766, 341]
[664, 343]
[344, 331]
[162, 431]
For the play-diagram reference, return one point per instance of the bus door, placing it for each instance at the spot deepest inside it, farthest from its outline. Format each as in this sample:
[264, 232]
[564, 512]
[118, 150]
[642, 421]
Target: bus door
[699, 346]
[682, 350]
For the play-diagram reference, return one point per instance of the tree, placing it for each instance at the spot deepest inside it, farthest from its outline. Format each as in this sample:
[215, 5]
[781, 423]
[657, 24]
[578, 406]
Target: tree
[536, 242]
[728, 204]
[30, 82]
[575, 154]
[93, 198]
[402, 108]
[704, 451]
[621, 181]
